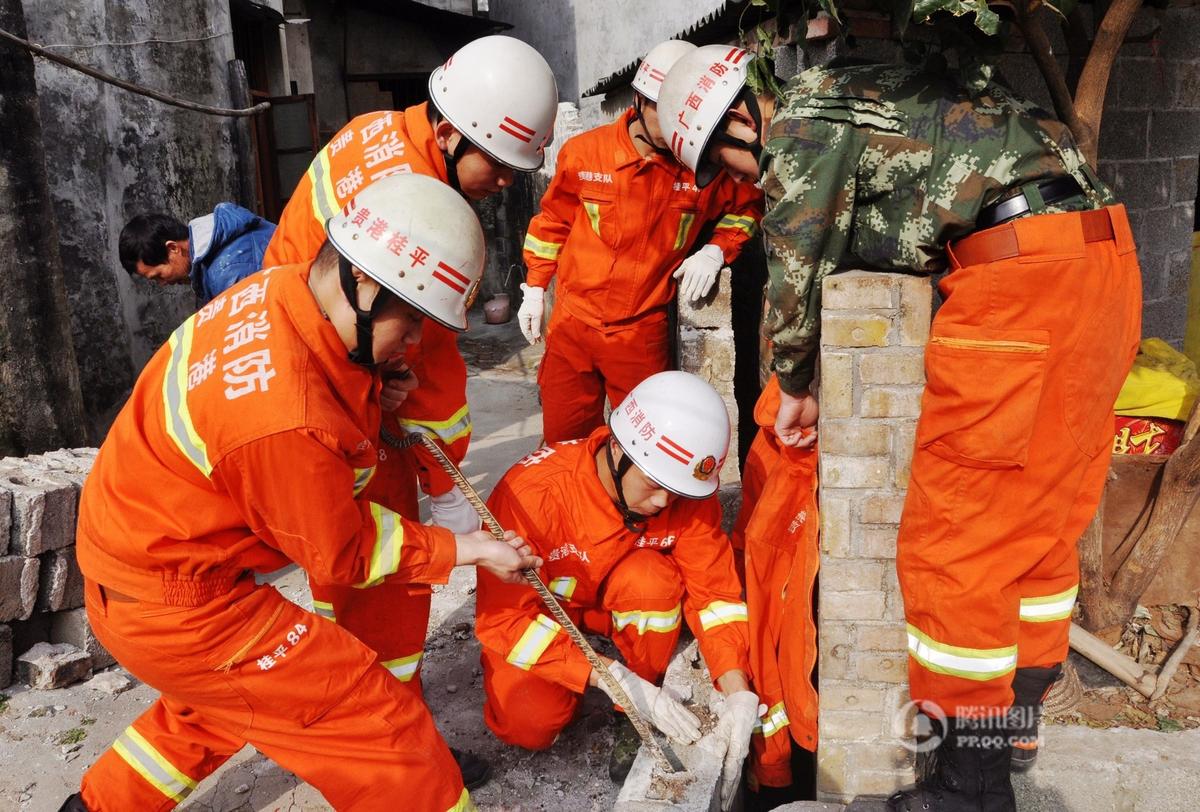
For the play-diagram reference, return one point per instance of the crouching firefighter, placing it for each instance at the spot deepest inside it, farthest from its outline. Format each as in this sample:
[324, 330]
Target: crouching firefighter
[249, 444]
[629, 525]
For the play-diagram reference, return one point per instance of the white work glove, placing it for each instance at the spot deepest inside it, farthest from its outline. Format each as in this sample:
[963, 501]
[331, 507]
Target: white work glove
[738, 715]
[529, 316]
[452, 511]
[698, 272]
[655, 705]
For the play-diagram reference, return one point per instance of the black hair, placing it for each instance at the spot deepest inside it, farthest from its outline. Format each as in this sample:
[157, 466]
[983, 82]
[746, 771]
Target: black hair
[145, 238]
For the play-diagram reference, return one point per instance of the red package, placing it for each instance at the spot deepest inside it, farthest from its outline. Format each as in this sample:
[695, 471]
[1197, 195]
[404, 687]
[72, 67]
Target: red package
[1147, 435]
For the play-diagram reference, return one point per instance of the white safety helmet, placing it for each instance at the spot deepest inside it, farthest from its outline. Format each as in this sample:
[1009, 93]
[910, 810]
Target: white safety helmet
[674, 427]
[500, 94]
[697, 93]
[650, 74]
[418, 238]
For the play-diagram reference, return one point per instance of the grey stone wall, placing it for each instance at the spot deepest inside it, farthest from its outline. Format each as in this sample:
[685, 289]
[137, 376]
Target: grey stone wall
[111, 154]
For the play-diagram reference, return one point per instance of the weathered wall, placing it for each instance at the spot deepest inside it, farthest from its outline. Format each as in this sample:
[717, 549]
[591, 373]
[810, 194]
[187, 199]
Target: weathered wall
[111, 154]
[873, 331]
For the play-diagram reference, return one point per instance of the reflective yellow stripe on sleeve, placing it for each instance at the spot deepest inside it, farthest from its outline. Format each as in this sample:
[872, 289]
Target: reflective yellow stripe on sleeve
[1051, 607]
[645, 621]
[324, 609]
[564, 588]
[978, 664]
[177, 416]
[362, 478]
[324, 199]
[533, 642]
[404, 668]
[150, 764]
[740, 222]
[465, 804]
[454, 428]
[775, 720]
[389, 540]
[541, 248]
[719, 612]
[685, 226]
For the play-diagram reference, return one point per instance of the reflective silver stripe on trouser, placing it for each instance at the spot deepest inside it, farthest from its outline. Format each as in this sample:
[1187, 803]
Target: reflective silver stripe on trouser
[150, 764]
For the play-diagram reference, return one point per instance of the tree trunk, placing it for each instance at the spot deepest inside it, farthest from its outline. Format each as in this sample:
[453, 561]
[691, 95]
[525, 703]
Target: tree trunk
[1030, 23]
[41, 407]
[1093, 592]
[1093, 81]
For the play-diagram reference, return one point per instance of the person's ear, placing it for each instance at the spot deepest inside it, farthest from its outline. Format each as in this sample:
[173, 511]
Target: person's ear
[443, 133]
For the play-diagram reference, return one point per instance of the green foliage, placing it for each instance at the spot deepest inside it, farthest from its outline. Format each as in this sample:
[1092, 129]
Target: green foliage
[986, 20]
[72, 736]
[3, 702]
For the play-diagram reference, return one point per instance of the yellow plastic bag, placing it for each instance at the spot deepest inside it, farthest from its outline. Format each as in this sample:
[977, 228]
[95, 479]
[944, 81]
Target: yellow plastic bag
[1162, 383]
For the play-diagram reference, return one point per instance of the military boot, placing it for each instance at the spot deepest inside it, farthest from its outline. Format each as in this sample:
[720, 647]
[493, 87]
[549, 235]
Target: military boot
[967, 772]
[73, 804]
[626, 743]
[1030, 687]
[476, 771]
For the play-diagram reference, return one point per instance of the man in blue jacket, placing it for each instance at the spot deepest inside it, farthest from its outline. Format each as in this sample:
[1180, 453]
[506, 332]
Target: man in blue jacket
[214, 250]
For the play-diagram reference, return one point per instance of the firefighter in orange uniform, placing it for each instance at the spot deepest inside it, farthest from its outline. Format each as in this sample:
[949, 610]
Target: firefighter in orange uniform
[246, 445]
[778, 530]
[492, 108]
[618, 227]
[629, 525]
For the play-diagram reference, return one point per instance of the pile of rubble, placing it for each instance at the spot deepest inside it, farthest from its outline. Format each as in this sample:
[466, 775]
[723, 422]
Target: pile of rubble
[45, 639]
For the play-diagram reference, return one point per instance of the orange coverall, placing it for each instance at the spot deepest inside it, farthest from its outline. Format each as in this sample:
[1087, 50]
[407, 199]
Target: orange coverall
[778, 528]
[245, 446]
[612, 228]
[609, 582]
[1012, 449]
[393, 617]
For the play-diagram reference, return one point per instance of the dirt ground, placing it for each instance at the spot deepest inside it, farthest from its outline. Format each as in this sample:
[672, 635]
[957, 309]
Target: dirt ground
[48, 738]
[1102, 701]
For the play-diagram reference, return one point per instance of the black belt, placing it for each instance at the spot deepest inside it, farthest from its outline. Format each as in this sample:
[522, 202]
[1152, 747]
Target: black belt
[1016, 204]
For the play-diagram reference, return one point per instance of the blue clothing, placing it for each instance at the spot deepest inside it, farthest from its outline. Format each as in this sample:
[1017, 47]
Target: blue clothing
[226, 247]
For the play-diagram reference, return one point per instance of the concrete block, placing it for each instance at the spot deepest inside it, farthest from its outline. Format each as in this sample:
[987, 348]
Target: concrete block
[1125, 135]
[730, 497]
[854, 472]
[884, 508]
[849, 726]
[904, 438]
[835, 525]
[898, 367]
[916, 310]
[851, 575]
[18, 587]
[855, 438]
[835, 647]
[890, 667]
[1173, 132]
[831, 767]
[851, 696]
[6, 655]
[851, 605]
[1187, 172]
[53, 666]
[1187, 84]
[5, 520]
[859, 290]
[839, 330]
[61, 581]
[72, 627]
[881, 637]
[1144, 184]
[886, 401]
[43, 510]
[881, 757]
[837, 385]
[877, 542]
[28, 633]
[1144, 85]
[872, 782]
[714, 311]
[73, 463]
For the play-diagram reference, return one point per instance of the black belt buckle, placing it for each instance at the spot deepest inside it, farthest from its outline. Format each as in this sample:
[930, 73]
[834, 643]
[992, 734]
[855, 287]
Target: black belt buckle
[1052, 191]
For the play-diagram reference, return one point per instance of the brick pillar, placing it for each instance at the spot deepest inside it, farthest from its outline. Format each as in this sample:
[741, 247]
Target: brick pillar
[706, 349]
[874, 327]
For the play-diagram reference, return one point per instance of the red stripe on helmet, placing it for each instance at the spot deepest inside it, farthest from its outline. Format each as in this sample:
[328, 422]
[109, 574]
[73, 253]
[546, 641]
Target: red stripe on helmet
[674, 449]
[466, 280]
[519, 136]
[735, 55]
[448, 282]
[512, 121]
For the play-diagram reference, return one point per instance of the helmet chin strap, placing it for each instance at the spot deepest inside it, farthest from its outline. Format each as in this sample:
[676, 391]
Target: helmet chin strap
[634, 522]
[363, 353]
[452, 159]
[638, 102]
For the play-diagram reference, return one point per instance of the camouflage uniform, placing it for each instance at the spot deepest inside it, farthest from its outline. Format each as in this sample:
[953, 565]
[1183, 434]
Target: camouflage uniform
[879, 167]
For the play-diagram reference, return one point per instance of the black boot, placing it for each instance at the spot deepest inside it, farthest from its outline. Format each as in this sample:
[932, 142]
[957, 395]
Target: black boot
[73, 804]
[476, 771]
[968, 772]
[1030, 686]
[626, 744]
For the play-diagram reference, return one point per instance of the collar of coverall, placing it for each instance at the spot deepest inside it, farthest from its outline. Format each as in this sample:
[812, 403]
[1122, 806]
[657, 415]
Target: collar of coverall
[629, 155]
